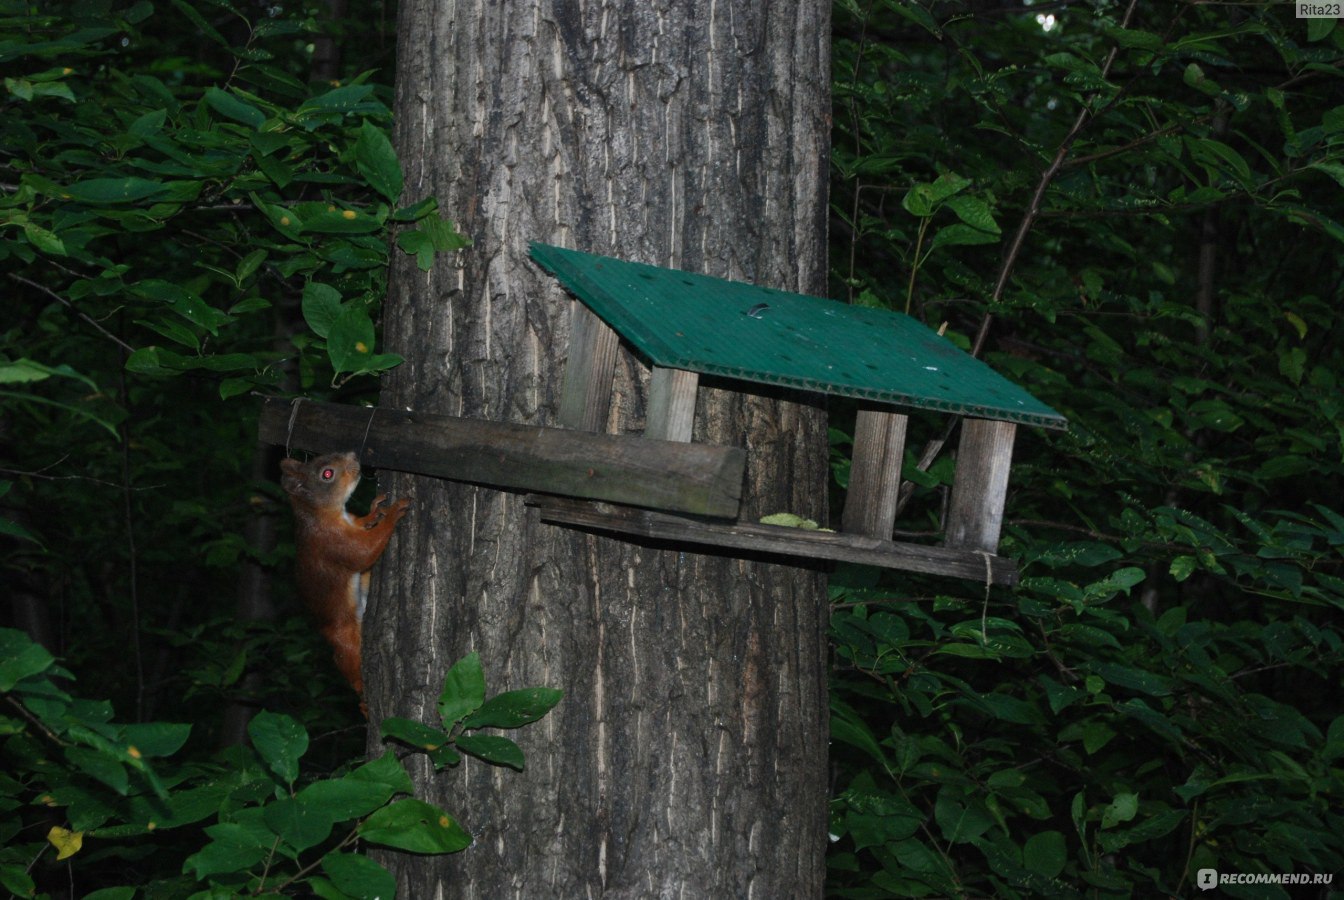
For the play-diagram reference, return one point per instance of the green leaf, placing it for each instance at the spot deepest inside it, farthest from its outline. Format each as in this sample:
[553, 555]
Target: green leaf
[345, 798]
[377, 161]
[149, 124]
[152, 739]
[173, 330]
[201, 24]
[873, 817]
[418, 244]
[321, 307]
[232, 848]
[359, 876]
[247, 265]
[1320, 28]
[229, 106]
[960, 820]
[850, 728]
[974, 212]
[100, 765]
[1220, 156]
[341, 221]
[25, 370]
[1132, 38]
[960, 235]
[20, 658]
[967, 651]
[15, 530]
[415, 826]
[1215, 415]
[284, 220]
[299, 823]
[44, 240]
[416, 211]
[385, 770]
[350, 339]
[112, 893]
[463, 690]
[276, 169]
[116, 190]
[17, 881]
[1045, 854]
[1086, 554]
[184, 303]
[498, 751]
[413, 733]
[1135, 679]
[444, 235]
[1182, 567]
[791, 520]
[341, 99]
[281, 741]
[919, 201]
[1194, 76]
[1088, 636]
[1122, 808]
[1121, 580]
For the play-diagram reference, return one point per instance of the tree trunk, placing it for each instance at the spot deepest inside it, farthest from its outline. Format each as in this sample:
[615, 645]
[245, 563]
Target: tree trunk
[688, 757]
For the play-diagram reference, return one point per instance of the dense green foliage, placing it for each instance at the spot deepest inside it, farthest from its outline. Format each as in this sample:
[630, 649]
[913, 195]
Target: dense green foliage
[180, 225]
[251, 821]
[1143, 220]
[1160, 693]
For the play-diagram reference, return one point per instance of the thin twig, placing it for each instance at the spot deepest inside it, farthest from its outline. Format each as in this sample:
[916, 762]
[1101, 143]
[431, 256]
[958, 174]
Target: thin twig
[1033, 209]
[59, 299]
[934, 447]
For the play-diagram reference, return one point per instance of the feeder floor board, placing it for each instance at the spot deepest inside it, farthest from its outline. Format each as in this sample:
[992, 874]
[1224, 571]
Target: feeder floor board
[775, 540]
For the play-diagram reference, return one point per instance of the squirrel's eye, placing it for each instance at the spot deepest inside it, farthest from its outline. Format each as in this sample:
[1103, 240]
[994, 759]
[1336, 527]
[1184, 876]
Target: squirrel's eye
[328, 474]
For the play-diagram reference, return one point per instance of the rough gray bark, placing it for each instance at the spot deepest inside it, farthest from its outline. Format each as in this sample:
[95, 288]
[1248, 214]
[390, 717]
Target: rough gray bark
[688, 756]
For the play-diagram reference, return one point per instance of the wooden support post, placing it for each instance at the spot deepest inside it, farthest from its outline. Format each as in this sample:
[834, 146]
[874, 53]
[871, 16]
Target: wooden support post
[975, 515]
[875, 474]
[586, 397]
[671, 404]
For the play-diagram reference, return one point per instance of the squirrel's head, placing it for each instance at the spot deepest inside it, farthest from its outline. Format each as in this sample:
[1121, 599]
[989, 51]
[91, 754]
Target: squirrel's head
[322, 481]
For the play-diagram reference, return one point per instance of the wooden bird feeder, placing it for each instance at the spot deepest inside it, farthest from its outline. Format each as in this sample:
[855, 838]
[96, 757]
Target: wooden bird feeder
[660, 486]
[687, 325]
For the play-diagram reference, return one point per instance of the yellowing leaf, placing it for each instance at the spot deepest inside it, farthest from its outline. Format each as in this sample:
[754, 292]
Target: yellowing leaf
[66, 842]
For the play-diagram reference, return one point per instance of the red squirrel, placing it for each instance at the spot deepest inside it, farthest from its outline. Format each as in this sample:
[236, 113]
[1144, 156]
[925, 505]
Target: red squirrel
[336, 550]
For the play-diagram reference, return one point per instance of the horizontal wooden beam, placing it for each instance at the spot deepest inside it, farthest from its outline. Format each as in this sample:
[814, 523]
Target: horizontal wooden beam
[776, 539]
[700, 479]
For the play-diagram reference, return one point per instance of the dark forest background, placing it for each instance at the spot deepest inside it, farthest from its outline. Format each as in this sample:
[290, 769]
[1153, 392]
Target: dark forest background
[1136, 211]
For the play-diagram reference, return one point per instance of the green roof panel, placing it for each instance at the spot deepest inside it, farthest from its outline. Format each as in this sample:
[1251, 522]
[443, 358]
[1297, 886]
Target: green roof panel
[681, 320]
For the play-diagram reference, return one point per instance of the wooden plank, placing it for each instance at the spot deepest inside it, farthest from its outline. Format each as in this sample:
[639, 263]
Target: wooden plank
[671, 404]
[775, 540]
[694, 478]
[975, 515]
[875, 473]
[585, 399]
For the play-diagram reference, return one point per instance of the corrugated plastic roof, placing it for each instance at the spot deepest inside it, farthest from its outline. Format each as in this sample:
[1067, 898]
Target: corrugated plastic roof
[681, 320]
